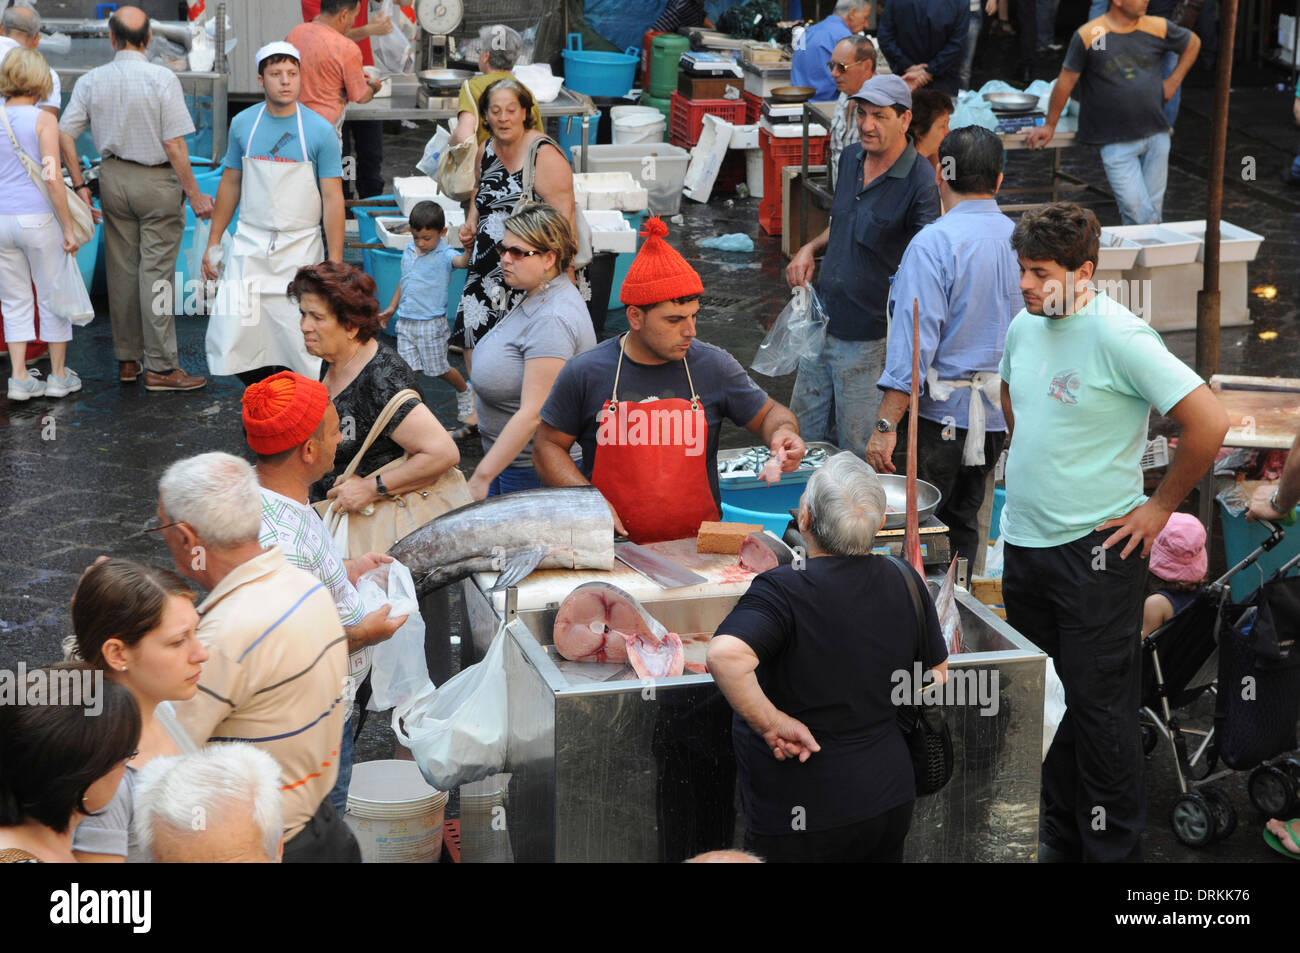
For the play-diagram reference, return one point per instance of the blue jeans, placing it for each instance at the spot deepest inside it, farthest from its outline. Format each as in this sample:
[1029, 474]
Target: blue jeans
[339, 794]
[514, 478]
[968, 46]
[1137, 172]
[1167, 70]
[1047, 21]
[840, 385]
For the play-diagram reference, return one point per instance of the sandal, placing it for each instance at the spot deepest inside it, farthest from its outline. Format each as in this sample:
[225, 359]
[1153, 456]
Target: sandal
[1272, 840]
[464, 432]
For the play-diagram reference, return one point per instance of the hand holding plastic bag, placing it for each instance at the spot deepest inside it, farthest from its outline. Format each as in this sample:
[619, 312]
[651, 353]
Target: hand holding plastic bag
[800, 331]
[398, 670]
[69, 298]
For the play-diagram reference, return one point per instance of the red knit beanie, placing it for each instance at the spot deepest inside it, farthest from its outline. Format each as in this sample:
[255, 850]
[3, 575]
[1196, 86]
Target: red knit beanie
[658, 272]
[282, 411]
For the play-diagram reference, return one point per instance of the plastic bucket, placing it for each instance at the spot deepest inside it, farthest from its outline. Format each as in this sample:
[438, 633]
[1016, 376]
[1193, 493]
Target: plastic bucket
[599, 74]
[385, 266]
[666, 51]
[637, 124]
[569, 131]
[770, 506]
[395, 815]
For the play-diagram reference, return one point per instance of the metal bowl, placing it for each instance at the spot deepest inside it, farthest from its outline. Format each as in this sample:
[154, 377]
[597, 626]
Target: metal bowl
[791, 94]
[444, 82]
[1012, 102]
[895, 484]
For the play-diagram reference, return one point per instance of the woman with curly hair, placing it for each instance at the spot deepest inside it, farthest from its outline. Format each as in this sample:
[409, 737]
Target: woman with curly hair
[340, 323]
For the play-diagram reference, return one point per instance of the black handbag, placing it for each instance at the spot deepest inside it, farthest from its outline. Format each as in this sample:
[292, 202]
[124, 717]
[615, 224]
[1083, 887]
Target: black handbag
[926, 731]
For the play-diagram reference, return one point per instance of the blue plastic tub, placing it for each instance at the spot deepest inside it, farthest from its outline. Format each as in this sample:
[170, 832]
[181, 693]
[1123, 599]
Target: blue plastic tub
[599, 74]
[995, 522]
[623, 262]
[770, 506]
[385, 266]
[570, 131]
[1241, 538]
[89, 255]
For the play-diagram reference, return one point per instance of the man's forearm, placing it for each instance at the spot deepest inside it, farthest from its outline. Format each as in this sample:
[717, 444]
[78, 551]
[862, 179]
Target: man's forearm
[555, 466]
[779, 417]
[893, 405]
[335, 222]
[1197, 448]
[1288, 488]
[228, 194]
[178, 155]
[1056, 105]
[1186, 60]
[818, 244]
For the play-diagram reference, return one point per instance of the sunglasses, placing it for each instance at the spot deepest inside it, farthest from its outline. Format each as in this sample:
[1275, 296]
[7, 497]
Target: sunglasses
[154, 525]
[835, 67]
[515, 252]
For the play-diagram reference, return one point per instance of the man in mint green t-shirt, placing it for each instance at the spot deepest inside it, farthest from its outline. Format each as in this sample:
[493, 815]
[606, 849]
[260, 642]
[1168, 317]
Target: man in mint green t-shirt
[1080, 374]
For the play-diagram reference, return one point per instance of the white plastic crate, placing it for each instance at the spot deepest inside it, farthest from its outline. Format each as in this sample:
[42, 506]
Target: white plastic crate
[1156, 454]
[616, 191]
[1116, 253]
[1160, 245]
[610, 231]
[385, 227]
[412, 190]
[1235, 242]
[657, 167]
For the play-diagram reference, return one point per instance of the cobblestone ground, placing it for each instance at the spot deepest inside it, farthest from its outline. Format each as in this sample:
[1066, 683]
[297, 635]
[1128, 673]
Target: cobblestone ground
[78, 476]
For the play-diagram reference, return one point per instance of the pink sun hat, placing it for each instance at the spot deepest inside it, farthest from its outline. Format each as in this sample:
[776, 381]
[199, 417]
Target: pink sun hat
[1178, 554]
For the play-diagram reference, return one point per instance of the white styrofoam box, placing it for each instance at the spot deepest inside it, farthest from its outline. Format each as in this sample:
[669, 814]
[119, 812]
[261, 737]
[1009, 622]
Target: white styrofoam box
[707, 158]
[1166, 296]
[609, 190]
[415, 189]
[399, 240]
[1116, 253]
[610, 231]
[1235, 242]
[754, 172]
[745, 137]
[658, 167]
[1161, 246]
[761, 80]
[791, 130]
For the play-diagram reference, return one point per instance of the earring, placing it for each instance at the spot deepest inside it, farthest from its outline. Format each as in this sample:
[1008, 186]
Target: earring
[124, 668]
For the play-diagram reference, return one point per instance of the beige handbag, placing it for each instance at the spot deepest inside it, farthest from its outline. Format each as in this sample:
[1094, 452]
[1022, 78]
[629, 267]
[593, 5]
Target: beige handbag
[83, 223]
[529, 194]
[384, 522]
[456, 178]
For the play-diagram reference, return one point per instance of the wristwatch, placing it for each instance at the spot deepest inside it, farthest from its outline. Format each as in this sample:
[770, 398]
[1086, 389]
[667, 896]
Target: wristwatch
[379, 485]
[1272, 501]
[884, 426]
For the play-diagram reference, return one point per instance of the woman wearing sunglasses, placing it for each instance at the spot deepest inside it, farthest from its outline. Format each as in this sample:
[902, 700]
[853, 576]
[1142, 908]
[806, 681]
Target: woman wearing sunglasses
[516, 362]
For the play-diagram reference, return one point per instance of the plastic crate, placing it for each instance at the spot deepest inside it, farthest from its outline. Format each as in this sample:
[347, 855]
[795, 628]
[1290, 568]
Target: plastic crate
[687, 117]
[777, 154]
[753, 107]
[1240, 538]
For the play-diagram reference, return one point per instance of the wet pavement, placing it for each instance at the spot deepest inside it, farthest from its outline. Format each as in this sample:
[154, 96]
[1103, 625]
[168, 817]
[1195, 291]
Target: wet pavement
[78, 476]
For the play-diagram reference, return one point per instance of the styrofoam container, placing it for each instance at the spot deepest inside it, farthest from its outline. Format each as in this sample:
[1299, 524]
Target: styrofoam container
[610, 231]
[760, 80]
[394, 813]
[399, 240]
[707, 158]
[1235, 242]
[790, 130]
[609, 190]
[659, 168]
[417, 188]
[754, 171]
[637, 124]
[1116, 252]
[745, 137]
[1161, 246]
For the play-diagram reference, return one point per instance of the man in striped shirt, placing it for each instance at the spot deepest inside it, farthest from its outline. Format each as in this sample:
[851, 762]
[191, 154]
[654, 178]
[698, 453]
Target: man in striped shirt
[680, 13]
[277, 676]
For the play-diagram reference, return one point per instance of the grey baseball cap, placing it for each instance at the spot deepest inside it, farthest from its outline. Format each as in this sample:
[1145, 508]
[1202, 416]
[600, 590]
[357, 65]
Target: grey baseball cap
[887, 90]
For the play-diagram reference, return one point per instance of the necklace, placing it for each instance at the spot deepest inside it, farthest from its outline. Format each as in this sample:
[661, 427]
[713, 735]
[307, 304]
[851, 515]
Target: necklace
[337, 375]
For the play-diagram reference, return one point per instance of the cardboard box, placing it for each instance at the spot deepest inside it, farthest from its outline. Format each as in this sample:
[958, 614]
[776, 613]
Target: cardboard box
[709, 87]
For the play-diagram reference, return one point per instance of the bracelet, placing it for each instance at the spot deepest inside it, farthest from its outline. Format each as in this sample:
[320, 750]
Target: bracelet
[1272, 501]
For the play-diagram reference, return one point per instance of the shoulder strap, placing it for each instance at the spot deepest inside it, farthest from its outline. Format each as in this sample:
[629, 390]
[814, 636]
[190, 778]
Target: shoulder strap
[391, 408]
[909, 577]
[530, 164]
[30, 164]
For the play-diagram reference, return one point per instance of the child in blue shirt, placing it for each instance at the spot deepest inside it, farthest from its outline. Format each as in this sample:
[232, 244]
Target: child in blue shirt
[420, 303]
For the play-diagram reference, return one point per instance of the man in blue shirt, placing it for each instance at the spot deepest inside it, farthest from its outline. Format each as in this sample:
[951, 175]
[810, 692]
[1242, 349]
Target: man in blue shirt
[809, 65]
[923, 40]
[962, 272]
[884, 195]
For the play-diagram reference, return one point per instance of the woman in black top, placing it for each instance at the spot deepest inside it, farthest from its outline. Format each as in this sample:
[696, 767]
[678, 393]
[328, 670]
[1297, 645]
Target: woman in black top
[823, 769]
[340, 321]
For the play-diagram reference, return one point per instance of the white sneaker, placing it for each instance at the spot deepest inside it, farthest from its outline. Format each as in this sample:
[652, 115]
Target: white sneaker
[26, 389]
[56, 386]
[465, 403]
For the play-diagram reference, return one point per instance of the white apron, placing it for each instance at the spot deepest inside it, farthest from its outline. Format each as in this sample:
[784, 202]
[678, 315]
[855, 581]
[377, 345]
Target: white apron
[253, 323]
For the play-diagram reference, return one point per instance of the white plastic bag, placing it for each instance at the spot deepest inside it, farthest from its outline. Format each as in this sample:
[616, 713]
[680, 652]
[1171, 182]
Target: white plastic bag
[428, 163]
[800, 331]
[398, 670]
[69, 298]
[457, 733]
[392, 51]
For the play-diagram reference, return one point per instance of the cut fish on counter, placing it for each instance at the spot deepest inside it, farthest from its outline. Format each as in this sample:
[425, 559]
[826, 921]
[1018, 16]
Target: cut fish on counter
[567, 527]
[760, 552]
[945, 604]
[599, 622]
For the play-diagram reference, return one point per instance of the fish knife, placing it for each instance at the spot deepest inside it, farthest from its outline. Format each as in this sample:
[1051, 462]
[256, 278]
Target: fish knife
[663, 572]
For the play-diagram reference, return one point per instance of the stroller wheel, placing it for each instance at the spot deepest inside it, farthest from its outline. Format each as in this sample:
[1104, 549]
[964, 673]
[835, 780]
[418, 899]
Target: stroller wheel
[1272, 791]
[1193, 820]
[1291, 765]
[1150, 738]
[1225, 815]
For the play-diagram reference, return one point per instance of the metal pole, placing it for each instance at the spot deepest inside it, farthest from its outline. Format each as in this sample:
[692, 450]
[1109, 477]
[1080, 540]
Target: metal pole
[1207, 300]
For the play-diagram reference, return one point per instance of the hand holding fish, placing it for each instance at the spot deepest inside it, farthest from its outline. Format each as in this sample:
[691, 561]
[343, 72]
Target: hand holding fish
[789, 738]
[788, 448]
[354, 494]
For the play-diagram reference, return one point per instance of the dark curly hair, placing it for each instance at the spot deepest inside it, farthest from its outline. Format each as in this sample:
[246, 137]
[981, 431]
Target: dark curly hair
[522, 95]
[1061, 232]
[349, 291]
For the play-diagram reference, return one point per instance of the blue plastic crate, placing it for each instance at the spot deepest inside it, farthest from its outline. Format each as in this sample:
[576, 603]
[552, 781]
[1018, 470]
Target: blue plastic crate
[1241, 538]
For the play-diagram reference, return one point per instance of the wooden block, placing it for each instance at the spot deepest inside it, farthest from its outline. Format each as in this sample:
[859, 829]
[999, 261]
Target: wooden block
[708, 87]
[724, 537]
[986, 590]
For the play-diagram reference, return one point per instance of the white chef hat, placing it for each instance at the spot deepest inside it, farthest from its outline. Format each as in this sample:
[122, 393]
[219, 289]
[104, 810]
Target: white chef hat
[278, 48]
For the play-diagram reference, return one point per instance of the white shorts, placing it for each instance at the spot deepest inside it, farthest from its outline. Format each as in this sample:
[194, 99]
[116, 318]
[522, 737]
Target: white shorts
[423, 344]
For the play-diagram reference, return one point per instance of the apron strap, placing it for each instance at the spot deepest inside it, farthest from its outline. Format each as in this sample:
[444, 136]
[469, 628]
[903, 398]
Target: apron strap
[248, 146]
[613, 397]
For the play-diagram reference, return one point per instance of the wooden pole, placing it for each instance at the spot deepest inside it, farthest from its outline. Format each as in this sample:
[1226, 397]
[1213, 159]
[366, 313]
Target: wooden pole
[1208, 299]
[912, 532]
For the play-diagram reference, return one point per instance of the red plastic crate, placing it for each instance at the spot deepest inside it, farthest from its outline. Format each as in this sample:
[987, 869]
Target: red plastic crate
[753, 107]
[686, 117]
[777, 154]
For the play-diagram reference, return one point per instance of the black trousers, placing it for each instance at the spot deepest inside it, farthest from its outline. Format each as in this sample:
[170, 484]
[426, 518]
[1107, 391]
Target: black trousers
[324, 840]
[364, 141]
[877, 840]
[1083, 606]
[938, 461]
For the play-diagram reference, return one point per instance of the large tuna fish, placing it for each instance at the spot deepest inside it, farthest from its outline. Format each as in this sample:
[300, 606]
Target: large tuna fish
[548, 528]
[599, 622]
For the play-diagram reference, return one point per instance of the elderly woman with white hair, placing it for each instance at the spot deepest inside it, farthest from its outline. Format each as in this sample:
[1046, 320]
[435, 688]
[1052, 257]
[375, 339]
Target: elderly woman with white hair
[234, 789]
[807, 659]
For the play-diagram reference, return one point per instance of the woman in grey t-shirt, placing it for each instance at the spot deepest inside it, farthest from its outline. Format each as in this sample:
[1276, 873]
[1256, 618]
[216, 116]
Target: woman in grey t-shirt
[516, 363]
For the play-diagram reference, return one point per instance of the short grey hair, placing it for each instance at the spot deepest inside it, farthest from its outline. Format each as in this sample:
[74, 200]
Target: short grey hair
[845, 6]
[19, 19]
[218, 495]
[214, 783]
[846, 505]
[502, 44]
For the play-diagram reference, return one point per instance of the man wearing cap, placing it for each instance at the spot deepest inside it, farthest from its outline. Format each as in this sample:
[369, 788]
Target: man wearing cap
[883, 197]
[853, 62]
[285, 166]
[647, 415]
[292, 426]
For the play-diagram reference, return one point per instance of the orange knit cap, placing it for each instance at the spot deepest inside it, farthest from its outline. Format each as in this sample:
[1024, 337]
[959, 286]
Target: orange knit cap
[658, 272]
[282, 411]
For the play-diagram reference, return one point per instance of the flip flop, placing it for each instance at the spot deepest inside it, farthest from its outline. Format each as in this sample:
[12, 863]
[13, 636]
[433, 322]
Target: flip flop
[1272, 841]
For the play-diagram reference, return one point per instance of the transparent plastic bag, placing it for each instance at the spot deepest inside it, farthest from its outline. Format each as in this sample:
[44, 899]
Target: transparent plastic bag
[69, 298]
[800, 331]
[398, 670]
[392, 51]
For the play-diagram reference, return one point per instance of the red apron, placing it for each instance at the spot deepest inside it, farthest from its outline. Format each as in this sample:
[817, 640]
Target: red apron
[652, 463]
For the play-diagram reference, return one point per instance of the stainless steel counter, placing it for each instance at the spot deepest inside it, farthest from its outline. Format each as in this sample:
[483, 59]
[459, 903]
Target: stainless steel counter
[408, 101]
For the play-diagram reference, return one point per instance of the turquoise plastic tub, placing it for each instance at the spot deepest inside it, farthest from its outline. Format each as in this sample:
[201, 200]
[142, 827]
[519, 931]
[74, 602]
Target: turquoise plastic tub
[769, 505]
[995, 522]
[570, 131]
[599, 74]
[623, 262]
[385, 266]
[89, 255]
[1241, 538]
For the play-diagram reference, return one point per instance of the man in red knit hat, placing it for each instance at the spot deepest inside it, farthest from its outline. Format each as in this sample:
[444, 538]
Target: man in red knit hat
[293, 428]
[647, 416]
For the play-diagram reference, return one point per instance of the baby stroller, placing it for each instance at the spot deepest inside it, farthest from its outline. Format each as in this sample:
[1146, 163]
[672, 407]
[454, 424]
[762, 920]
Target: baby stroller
[1247, 649]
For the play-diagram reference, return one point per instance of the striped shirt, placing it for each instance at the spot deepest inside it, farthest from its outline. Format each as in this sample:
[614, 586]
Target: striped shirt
[680, 13]
[276, 677]
[131, 107]
[297, 529]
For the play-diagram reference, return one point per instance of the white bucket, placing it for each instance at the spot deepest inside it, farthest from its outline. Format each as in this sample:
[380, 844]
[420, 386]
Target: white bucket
[754, 172]
[637, 124]
[394, 813]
